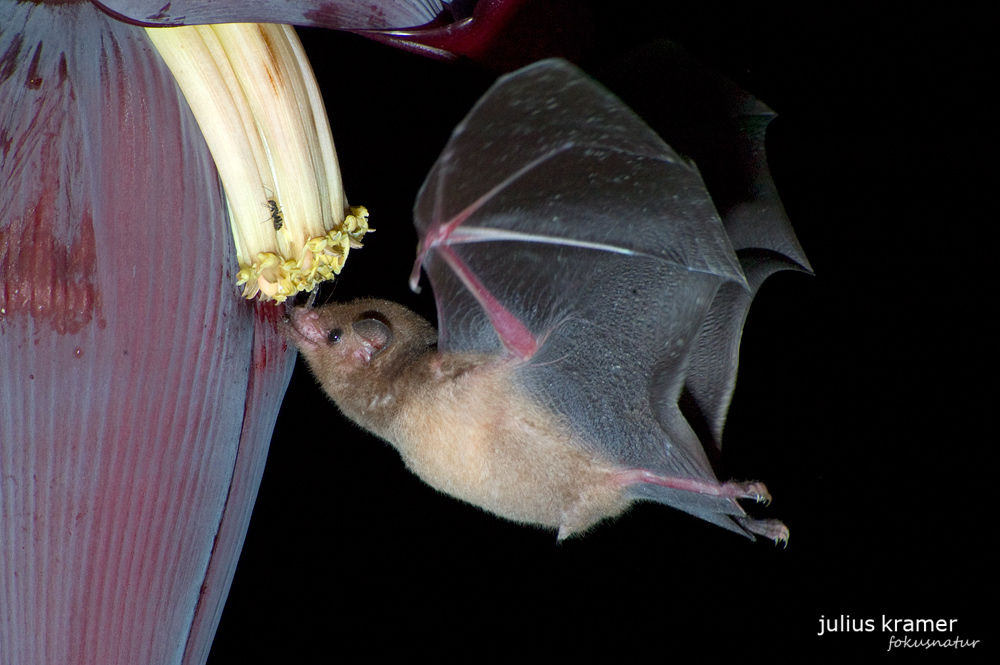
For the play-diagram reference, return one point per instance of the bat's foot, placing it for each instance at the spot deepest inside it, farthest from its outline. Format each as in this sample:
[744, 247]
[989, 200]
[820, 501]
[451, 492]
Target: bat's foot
[751, 489]
[772, 529]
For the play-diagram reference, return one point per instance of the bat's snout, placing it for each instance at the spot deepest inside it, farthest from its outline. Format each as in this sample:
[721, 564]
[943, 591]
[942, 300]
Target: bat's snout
[303, 327]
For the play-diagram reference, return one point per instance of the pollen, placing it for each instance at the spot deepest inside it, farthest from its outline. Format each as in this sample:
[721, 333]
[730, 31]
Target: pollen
[323, 259]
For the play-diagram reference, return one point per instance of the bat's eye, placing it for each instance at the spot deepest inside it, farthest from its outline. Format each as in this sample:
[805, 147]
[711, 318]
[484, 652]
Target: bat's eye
[334, 335]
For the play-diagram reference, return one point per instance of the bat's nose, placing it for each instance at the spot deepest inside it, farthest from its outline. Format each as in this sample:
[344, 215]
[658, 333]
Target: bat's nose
[304, 323]
[304, 314]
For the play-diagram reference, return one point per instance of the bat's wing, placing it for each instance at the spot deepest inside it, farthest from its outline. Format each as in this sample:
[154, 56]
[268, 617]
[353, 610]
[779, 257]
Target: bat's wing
[559, 230]
[721, 128]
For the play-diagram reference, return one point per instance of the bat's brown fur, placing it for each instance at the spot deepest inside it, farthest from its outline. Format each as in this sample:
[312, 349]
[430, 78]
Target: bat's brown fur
[458, 420]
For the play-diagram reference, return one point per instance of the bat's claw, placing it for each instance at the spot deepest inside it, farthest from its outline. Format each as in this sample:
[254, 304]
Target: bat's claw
[748, 490]
[772, 529]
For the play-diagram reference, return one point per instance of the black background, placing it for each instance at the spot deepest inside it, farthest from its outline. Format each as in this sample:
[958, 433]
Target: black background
[861, 397]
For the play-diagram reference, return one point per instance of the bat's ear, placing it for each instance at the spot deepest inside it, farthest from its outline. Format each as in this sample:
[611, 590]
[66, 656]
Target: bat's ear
[375, 336]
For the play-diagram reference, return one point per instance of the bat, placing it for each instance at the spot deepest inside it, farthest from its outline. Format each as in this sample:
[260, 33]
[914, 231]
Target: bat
[590, 304]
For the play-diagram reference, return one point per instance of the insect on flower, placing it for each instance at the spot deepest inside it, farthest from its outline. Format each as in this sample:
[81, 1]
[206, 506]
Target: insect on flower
[276, 216]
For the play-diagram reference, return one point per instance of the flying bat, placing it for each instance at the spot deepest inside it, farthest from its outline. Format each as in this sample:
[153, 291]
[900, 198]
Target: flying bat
[590, 306]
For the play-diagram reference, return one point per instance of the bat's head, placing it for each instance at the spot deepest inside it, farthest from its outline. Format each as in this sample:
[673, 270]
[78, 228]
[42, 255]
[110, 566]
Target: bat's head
[355, 348]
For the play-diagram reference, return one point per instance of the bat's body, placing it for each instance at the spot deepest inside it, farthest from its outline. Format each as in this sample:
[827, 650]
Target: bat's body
[585, 284]
[464, 425]
[458, 419]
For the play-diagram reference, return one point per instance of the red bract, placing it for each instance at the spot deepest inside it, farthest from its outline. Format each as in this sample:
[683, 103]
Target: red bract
[500, 35]
[138, 391]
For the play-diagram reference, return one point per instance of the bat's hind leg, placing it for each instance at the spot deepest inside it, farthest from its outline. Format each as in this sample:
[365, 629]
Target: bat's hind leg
[755, 490]
[771, 529]
[730, 490]
[751, 489]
